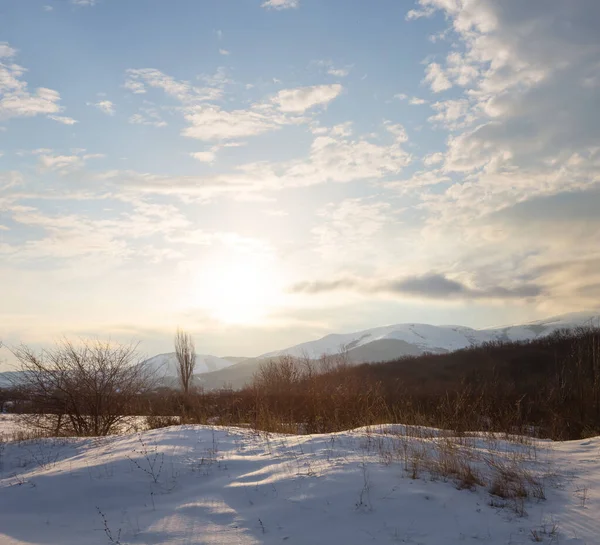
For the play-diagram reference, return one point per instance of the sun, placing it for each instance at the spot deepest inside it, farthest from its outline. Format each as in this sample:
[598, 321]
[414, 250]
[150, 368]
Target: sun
[241, 291]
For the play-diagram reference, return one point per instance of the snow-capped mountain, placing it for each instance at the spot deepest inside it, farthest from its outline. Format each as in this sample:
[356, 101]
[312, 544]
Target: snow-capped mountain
[418, 338]
[166, 364]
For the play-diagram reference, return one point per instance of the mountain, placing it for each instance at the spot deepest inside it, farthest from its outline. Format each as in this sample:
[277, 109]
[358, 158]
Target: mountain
[395, 341]
[370, 345]
[419, 338]
[166, 364]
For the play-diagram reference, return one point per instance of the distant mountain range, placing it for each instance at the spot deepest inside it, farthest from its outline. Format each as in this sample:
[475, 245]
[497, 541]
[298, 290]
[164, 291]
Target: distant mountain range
[370, 345]
[395, 341]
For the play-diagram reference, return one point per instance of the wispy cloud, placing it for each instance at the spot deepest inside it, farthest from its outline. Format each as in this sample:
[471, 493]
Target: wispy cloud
[281, 4]
[15, 98]
[105, 106]
[63, 119]
[303, 98]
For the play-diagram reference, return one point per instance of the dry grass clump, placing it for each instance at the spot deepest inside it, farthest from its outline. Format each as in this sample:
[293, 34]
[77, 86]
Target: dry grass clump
[156, 422]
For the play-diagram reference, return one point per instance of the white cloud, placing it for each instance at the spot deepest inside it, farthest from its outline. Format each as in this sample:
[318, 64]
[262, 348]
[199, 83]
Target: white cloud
[224, 52]
[105, 106]
[47, 8]
[139, 79]
[6, 51]
[352, 223]
[435, 76]
[526, 128]
[63, 119]
[413, 101]
[338, 72]
[149, 116]
[454, 114]
[64, 164]
[303, 98]
[333, 157]
[397, 130]
[433, 158]
[60, 162]
[15, 98]
[281, 4]
[204, 156]
[419, 179]
[213, 123]
[84, 2]
[332, 70]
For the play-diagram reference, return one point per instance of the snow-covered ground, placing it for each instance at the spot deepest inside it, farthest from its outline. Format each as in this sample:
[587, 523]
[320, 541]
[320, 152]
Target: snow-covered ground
[196, 484]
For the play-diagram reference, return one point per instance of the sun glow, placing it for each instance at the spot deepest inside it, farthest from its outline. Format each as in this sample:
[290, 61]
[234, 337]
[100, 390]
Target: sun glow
[238, 292]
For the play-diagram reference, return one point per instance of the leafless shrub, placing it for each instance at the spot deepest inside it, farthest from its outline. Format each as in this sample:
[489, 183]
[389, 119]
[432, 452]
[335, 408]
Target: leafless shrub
[364, 497]
[82, 389]
[153, 460]
[156, 422]
[113, 539]
[582, 495]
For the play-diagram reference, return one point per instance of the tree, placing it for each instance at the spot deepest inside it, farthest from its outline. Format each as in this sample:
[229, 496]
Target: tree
[83, 389]
[185, 351]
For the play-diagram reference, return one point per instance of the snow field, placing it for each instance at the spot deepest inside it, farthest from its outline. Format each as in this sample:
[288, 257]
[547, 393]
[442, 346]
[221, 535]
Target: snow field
[387, 484]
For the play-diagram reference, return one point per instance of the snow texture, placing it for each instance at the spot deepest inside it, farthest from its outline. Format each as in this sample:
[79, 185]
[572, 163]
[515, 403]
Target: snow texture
[202, 485]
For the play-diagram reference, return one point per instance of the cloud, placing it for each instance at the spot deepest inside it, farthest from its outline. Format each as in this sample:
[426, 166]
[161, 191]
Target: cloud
[523, 129]
[332, 70]
[224, 52]
[209, 121]
[6, 51]
[15, 98]
[353, 223]
[413, 101]
[138, 80]
[105, 106]
[63, 119]
[435, 76]
[303, 98]
[334, 156]
[281, 4]
[427, 286]
[339, 72]
[213, 123]
[433, 158]
[84, 2]
[148, 115]
[64, 163]
[10, 179]
[454, 114]
[204, 156]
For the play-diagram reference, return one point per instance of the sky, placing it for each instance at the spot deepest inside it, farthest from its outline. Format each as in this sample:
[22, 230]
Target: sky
[265, 172]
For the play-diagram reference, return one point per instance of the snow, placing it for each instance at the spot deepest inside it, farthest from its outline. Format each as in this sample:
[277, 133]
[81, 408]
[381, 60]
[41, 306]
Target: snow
[197, 484]
[437, 338]
[166, 364]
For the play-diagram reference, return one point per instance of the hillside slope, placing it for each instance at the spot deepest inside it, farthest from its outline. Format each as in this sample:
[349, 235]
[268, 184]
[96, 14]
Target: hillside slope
[196, 485]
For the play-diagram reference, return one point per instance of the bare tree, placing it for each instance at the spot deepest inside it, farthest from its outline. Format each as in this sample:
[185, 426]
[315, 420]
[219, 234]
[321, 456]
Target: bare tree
[185, 351]
[84, 389]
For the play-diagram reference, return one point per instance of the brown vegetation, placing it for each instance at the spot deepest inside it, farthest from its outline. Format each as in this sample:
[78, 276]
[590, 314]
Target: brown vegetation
[549, 387]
